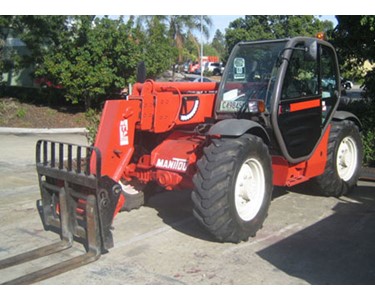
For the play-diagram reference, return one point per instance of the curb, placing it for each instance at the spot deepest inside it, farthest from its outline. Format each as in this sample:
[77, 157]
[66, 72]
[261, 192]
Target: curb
[368, 174]
[11, 130]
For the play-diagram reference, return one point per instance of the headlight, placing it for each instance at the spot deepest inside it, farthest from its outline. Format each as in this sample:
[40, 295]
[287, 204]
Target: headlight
[256, 106]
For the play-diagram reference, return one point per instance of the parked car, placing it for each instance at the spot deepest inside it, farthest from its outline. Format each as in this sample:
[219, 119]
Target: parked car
[215, 68]
[203, 79]
[194, 68]
[328, 83]
[211, 66]
[185, 67]
[44, 82]
[218, 71]
[346, 84]
[197, 79]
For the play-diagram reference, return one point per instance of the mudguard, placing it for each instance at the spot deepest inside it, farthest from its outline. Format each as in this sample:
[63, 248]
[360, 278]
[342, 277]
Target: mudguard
[235, 127]
[345, 115]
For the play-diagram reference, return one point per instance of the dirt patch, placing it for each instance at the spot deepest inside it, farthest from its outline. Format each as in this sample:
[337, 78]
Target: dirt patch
[14, 113]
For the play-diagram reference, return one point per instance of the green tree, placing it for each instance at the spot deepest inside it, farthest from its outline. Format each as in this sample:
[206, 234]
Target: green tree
[218, 43]
[355, 44]
[252, 28]
[354, 39]
[90, 57]
[208, 50]
[157, 51]
[179, 29]
[94, 59]
[4, 32]
[37, 32]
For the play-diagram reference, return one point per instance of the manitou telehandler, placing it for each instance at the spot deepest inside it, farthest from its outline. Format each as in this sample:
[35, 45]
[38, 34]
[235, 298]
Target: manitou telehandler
[271, 121]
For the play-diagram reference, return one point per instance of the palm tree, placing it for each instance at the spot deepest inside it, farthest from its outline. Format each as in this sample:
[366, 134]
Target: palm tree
[179, 29]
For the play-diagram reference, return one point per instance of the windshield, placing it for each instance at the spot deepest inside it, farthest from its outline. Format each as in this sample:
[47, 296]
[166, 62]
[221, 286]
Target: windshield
[250, 74]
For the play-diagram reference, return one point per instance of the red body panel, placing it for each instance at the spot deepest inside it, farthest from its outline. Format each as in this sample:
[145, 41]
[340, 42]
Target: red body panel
[169, 104]
[157, 108]
[115, 138]
[171, 164]
[304, 105]
[286, 174]
[160, 110]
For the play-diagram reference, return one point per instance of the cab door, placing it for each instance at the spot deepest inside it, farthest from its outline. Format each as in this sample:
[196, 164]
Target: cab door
[309, 92]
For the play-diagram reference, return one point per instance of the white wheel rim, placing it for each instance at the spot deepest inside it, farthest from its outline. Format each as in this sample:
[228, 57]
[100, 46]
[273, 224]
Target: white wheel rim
[346, 162]
[249, 189]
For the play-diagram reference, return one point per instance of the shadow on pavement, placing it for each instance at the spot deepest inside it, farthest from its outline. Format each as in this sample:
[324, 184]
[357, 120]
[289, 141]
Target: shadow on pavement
[339, 249]
[175, 208]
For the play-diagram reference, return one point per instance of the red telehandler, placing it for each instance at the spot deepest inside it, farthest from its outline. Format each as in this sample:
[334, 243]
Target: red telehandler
[271, 121]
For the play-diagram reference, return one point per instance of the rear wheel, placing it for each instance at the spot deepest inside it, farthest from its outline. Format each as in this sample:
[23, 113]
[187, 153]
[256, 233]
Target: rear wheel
[344, 160]
[233, 187]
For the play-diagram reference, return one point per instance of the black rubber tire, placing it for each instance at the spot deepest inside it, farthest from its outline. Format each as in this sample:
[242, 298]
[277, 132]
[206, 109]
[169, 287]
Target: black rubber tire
[330, 183]
[133, 201]
[214, 187]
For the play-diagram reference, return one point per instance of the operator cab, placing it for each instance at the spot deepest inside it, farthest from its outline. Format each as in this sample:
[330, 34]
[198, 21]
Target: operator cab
[289, 86]
[248, 79]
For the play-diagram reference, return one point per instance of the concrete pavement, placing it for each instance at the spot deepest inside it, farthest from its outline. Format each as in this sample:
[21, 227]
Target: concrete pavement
[306, 239]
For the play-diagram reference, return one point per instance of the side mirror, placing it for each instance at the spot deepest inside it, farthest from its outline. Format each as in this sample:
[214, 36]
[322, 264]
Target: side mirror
[141, 72]
[311, 50]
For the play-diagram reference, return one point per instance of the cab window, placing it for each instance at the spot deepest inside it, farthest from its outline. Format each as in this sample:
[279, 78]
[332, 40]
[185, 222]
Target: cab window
[301, 78]
[329, 82]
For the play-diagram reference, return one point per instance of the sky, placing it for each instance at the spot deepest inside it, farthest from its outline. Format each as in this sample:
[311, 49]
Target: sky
[222, 22]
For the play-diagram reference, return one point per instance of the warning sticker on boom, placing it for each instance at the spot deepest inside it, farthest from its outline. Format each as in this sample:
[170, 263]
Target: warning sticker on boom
[124, 137]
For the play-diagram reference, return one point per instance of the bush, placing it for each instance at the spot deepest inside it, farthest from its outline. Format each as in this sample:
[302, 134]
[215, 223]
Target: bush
[365, 111]
[207, 73]
[93, 118]
[21, 112]
[368, 144]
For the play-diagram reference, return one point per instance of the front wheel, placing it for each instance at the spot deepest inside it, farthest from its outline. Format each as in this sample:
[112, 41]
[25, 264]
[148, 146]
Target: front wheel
[233, 187]
[344, 160]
